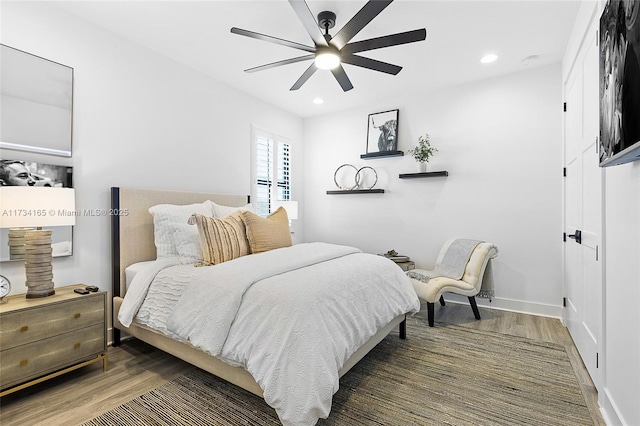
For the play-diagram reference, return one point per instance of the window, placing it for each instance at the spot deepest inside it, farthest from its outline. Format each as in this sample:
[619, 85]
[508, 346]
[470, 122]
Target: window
[272, 170]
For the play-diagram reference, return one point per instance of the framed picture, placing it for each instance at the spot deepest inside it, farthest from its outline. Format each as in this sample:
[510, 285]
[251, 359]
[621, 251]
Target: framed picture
[32, 174]
[619, 83]
[382, 132]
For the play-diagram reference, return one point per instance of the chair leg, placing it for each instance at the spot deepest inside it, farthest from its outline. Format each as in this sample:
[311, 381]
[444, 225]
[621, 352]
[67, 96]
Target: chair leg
[430, 315]
[474, 306]
[442, 300]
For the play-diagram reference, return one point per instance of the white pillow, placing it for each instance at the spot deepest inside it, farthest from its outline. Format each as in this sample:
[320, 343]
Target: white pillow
[220, 212]
[165, 215]
[187, 241]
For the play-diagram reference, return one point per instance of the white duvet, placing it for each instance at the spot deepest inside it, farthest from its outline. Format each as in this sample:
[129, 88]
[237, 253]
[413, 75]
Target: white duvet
[291, 317]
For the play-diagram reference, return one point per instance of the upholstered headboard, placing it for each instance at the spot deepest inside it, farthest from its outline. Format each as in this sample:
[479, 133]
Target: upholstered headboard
[132, 238]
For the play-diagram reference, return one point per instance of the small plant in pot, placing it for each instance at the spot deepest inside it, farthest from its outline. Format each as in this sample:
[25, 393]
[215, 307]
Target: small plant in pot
[423, 152]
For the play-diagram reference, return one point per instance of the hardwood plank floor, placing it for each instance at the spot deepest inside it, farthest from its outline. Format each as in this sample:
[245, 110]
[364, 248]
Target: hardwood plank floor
[136, 368]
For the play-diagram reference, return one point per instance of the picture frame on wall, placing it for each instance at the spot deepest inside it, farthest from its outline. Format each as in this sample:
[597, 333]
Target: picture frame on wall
[15, 172]
[619, 47]
[382, 134]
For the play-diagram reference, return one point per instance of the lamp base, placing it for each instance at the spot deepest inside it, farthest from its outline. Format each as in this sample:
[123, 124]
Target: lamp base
[38, 267]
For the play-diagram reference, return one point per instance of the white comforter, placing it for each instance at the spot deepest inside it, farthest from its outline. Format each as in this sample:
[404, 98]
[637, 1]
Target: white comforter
[291, 317]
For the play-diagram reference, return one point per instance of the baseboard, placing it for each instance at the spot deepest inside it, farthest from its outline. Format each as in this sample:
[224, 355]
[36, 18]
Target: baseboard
[511, 305]
[609, 411]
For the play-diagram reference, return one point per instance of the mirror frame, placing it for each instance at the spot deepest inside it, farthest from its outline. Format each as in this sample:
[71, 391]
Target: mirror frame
[35, 146]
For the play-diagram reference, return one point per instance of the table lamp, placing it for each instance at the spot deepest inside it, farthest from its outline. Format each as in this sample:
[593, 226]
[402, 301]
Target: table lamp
[35, 207]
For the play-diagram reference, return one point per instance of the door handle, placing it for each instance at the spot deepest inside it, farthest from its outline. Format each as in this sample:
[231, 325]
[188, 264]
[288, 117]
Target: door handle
[577, 236]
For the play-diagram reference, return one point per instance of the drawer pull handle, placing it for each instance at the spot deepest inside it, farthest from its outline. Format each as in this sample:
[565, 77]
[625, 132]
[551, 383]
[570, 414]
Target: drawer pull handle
[76, 346]
[77, 315]
[24, 362]
[24, 328]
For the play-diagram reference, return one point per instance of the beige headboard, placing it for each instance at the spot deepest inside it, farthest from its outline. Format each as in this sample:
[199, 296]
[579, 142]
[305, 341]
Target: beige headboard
[132, 237]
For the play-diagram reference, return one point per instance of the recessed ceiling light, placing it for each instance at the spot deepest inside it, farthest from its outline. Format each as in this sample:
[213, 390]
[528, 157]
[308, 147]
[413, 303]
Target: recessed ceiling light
[318, 101]
[487, 59]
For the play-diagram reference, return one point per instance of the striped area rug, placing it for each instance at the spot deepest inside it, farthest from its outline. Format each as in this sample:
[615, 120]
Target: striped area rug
[443, 375]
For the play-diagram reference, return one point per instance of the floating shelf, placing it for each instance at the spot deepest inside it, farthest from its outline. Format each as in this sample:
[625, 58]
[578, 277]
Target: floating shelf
[356, 191]
[423, 175]
[383, 154]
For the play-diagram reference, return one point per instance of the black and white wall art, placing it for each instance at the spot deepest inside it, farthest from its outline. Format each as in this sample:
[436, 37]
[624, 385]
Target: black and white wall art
[382, 132]
[620, 82]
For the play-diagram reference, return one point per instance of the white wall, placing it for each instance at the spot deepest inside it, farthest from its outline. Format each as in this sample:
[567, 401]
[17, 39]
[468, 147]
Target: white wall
[140, 120]
[500, 141]
[620, 391]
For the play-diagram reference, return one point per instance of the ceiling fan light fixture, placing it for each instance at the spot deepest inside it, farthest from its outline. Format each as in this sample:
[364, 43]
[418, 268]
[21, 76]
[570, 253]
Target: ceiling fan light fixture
[327, 59]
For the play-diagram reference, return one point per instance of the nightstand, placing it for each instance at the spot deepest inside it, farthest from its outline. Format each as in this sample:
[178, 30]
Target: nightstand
[45, 337]
[406, 266]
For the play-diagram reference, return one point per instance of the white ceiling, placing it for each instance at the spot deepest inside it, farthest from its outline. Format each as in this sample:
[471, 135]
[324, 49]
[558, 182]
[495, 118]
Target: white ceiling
[459, 33]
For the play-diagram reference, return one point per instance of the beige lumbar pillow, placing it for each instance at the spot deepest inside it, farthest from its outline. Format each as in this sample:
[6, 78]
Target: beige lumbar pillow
[221, 239]
[268, 233]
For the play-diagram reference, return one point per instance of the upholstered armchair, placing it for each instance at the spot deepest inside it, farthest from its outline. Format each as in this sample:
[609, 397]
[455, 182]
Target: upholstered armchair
[468, 281]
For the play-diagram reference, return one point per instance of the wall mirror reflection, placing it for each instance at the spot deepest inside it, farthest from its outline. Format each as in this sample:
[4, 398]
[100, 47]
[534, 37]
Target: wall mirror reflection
[36, 103]
[34, 174]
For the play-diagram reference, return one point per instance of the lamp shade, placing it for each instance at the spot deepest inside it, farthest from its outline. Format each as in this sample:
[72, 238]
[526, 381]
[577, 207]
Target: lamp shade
[290, 206]
[26, 206]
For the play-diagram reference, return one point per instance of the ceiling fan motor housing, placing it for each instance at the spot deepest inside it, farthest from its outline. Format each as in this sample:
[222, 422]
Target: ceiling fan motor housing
[326, 20]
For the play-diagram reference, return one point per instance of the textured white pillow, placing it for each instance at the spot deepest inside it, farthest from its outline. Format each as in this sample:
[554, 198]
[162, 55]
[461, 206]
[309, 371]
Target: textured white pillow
[220, 212]
[187, 242]
[165, 215]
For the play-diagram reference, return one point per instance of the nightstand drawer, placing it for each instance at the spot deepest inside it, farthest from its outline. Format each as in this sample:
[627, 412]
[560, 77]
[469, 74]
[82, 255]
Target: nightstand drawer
[34, 359]
[30, 325]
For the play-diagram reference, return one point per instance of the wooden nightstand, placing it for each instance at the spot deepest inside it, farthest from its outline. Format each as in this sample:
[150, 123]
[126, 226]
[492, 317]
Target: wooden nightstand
[406, 266]
[46, 337]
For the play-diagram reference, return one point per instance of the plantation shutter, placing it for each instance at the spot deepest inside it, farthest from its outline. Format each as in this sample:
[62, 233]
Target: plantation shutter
[272, 171]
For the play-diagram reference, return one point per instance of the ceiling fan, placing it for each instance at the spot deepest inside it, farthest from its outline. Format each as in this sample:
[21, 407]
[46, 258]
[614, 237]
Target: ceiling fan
[330, 52]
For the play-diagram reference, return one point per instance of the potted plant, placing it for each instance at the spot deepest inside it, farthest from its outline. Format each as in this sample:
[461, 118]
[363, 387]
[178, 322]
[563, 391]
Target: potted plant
[423, 152]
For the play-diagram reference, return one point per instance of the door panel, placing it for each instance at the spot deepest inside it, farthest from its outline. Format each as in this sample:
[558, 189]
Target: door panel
[583, 210]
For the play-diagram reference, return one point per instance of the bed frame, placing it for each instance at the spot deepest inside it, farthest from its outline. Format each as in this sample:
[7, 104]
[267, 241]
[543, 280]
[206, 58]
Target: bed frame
[133, 241]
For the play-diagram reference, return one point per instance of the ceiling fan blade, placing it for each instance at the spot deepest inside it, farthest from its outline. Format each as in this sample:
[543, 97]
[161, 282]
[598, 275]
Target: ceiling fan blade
[271, 39]
[342, 78]
[304, 77]
[372, 64]
[385, 41]
[308, 21]
[365, 15]
[280, 63]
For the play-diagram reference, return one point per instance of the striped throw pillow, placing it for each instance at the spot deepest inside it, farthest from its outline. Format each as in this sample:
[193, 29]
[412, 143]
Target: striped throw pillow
[221, 239]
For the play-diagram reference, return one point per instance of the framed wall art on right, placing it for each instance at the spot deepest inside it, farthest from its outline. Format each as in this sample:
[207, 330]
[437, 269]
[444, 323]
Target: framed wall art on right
[619, 83]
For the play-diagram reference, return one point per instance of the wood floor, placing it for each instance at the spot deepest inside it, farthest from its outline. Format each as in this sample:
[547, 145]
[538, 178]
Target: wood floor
[135, 368]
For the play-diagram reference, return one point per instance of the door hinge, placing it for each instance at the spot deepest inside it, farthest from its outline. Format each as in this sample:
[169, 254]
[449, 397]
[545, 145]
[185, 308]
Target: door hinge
[564, 237]
[597, 360]
[564, 107]
[597, 253]
[564, 302]
[564, 172]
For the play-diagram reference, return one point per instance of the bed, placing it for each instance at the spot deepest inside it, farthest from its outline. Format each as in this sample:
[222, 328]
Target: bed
[133, 244]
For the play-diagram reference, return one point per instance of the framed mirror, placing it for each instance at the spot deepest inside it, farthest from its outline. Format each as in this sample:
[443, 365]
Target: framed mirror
[36, 103]
[33, 174]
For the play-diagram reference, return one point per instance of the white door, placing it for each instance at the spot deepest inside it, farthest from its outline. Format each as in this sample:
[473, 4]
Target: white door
[583, 210]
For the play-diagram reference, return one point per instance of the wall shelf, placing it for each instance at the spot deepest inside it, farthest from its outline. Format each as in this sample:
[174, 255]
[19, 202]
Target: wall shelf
[382, 154]
[356, 191]
[423, 175]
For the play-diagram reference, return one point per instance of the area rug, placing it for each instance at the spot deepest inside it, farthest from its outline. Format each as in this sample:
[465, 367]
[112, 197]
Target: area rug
[447, 374]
